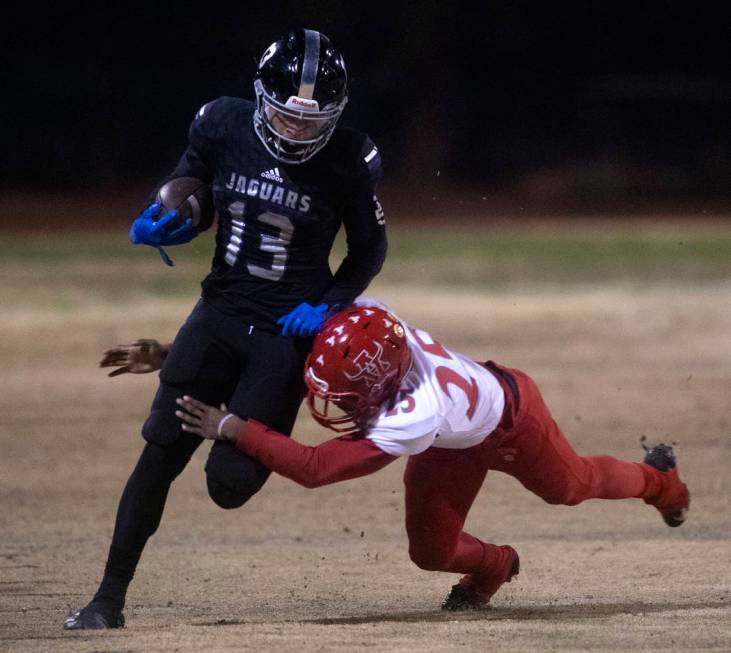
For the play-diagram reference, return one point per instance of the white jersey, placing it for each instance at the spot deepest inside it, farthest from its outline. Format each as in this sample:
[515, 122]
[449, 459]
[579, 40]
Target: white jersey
[446, 400]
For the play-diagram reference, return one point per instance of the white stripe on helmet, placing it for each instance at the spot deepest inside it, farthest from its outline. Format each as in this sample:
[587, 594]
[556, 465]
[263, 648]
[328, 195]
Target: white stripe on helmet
[310, 64]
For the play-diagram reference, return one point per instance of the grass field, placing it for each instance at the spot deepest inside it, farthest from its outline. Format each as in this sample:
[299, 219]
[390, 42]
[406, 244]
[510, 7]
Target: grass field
[624, 325]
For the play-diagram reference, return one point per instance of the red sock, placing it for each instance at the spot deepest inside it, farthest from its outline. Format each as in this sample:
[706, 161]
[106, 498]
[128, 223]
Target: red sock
[618, 479]
[472, 556]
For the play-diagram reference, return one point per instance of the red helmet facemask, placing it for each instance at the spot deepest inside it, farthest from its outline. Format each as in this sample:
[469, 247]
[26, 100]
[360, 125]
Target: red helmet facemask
[357, 362]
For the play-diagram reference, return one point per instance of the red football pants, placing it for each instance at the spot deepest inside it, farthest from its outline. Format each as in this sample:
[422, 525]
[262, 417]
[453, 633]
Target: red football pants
[441, 484]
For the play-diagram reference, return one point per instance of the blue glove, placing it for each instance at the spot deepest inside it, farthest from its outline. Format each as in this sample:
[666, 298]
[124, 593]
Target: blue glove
[156, 233]
[303, 320]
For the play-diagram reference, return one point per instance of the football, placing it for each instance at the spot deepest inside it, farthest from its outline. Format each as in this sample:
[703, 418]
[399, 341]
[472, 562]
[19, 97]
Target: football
[192, 198]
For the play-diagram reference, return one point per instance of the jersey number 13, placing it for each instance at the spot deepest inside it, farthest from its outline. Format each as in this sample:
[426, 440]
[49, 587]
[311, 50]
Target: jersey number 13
[275, 245]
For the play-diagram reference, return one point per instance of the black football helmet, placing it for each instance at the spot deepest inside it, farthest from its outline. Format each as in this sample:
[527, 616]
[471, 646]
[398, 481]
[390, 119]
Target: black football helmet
[301, 90]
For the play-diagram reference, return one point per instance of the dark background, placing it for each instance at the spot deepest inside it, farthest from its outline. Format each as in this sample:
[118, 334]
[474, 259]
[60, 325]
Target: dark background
[559, 106]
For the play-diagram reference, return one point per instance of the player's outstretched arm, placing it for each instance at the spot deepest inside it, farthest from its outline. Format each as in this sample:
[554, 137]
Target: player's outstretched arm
[335, 460]
[139, 357]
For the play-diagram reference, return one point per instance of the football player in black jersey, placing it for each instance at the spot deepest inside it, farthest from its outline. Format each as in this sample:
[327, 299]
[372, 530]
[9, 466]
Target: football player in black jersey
[285, 177]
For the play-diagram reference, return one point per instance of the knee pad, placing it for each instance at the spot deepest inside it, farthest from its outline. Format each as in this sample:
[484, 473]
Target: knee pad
[232, 476]
[164, 463]
[227, 497]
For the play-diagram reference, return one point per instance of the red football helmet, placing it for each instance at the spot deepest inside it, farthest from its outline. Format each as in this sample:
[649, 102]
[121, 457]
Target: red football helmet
[357, 361]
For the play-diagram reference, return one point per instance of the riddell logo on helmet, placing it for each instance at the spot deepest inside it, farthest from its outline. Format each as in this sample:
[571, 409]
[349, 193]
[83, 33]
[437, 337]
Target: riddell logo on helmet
[311, 105]
[369, 367]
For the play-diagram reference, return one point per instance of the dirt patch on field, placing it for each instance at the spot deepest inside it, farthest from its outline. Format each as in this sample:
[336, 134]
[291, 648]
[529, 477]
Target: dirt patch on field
[328, 569]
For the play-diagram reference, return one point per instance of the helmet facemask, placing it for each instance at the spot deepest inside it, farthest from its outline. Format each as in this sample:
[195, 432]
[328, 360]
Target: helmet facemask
[289, 149]
[345, 412]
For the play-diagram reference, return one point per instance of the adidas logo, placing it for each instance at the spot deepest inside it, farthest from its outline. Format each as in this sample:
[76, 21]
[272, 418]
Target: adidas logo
[273, 175]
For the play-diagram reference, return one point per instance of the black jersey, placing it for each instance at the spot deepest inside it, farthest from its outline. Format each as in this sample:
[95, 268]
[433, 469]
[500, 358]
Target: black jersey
[277, 222]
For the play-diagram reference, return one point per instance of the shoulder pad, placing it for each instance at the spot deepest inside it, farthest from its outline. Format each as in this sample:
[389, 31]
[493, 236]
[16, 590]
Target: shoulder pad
[213, 118]
[361, 158]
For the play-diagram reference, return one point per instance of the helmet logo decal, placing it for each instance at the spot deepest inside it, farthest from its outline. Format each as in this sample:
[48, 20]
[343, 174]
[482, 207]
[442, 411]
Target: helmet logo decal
[369, 366]
[268, 54]
[303, 103]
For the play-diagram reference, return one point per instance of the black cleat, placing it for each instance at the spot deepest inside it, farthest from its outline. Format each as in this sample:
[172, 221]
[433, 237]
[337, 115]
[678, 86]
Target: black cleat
[95, 616]
[673, 501]
[661, 456]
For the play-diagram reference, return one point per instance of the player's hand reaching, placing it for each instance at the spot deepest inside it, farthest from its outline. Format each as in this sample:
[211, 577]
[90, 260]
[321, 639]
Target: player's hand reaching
[208, 422]
[305, 320]
[139, 357]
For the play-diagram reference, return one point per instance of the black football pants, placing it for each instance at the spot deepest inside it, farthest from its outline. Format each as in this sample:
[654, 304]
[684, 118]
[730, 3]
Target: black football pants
[216, 358]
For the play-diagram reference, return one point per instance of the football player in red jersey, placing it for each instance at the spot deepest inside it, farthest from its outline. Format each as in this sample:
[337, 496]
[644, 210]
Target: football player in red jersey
[391, 390]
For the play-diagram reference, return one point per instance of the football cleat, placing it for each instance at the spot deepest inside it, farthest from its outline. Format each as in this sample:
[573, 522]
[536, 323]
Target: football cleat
[474, 591]
[673, 499]
[95, 616]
